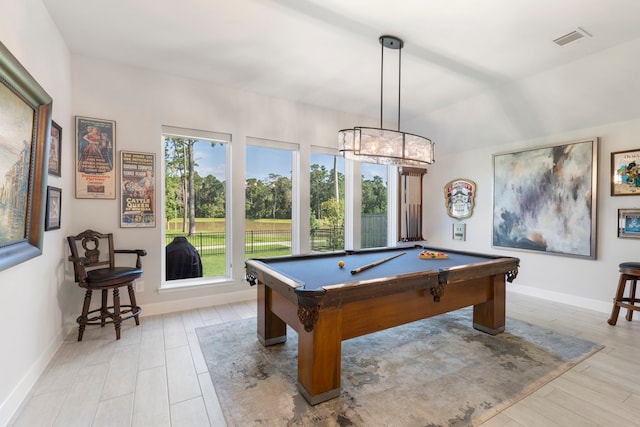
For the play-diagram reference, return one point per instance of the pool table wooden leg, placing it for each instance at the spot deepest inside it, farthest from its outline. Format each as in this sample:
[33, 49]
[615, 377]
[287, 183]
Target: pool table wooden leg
[489, 316]
[271, 329]
[319, 357]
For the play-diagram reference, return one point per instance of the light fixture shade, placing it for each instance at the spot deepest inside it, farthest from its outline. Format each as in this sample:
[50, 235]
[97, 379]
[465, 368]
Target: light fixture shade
[385, 147]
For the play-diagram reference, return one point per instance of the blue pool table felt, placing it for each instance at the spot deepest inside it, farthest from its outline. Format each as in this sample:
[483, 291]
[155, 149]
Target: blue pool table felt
[316, 272]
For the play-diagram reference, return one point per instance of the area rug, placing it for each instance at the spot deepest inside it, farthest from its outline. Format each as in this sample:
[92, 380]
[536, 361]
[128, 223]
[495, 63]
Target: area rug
[434, 372]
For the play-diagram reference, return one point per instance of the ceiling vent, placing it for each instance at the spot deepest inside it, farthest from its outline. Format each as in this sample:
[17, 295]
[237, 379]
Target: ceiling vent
[571, 37]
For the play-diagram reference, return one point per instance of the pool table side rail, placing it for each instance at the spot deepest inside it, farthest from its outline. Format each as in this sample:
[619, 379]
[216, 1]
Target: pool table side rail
[339, 293]
[504, 265]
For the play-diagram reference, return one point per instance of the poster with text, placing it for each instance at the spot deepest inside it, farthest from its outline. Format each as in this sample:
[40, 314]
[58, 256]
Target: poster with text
[138, 186]
[95, 152]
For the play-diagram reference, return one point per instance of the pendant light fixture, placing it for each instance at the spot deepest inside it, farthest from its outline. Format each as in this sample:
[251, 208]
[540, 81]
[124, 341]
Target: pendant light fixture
[386, 146]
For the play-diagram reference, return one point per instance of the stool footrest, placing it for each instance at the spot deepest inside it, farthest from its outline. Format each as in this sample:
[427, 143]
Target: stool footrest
[105, 313]
[630, 306]
[629, 274]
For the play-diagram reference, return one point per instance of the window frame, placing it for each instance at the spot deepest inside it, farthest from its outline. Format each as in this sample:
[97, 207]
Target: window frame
[203, 135]
[315, 149]
[294, 150]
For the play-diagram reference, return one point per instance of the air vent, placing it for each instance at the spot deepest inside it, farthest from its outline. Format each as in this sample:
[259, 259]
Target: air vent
[571, 37]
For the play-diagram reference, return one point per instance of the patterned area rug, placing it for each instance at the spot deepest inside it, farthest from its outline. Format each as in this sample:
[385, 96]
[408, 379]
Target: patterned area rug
[434, 372]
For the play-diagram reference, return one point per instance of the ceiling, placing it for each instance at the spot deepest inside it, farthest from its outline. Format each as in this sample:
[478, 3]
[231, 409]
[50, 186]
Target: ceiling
[326, 52]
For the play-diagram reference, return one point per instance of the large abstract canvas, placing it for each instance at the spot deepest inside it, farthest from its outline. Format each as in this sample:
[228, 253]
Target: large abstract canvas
[545, 199]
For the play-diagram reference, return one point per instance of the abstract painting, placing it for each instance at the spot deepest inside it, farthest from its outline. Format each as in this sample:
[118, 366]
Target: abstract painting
[544, 199]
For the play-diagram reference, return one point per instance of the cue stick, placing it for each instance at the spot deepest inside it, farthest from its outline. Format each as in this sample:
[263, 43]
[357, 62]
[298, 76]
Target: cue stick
[417, 201]
[406, 211]
[373, 264]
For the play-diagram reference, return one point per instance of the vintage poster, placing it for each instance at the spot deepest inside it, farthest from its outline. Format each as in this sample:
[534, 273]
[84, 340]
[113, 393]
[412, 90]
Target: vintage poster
[138, 189]
[95, 152]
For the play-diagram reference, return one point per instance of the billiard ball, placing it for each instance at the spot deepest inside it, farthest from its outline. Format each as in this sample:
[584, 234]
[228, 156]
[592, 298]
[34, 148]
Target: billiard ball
[340, 264]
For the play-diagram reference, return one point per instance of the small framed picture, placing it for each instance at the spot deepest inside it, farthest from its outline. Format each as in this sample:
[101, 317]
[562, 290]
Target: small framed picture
[625, 171]
[54, 206]
[629, 223]
[459, 231]
[55, 157]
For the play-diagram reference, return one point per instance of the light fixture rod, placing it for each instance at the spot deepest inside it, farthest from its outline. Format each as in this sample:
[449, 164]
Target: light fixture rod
[399, 85]
[381, 77]
[391, 42]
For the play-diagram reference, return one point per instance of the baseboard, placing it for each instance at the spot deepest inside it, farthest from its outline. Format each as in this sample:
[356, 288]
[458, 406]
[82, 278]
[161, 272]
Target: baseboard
[590, 304]
[199, 302]
[21, 391]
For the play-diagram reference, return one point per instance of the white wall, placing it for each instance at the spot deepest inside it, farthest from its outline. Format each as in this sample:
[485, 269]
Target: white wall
[35, 297]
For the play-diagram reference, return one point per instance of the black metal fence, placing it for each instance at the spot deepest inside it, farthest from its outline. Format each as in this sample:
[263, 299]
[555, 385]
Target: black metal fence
[266, 241]
[327, 239]
[207, 242]
[374, 234]
[214, 242]
[374, 230]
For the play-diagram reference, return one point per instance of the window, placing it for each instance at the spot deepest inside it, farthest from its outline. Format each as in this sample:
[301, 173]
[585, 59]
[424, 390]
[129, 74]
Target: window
[195, 184]
[326, 202]
[374, 206]
[269, 198]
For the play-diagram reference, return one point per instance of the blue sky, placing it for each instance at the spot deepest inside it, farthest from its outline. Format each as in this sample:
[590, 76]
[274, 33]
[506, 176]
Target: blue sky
[210, 160]
[263, 161]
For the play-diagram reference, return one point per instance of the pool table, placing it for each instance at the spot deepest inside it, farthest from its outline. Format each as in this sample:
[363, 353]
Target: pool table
[327, 304]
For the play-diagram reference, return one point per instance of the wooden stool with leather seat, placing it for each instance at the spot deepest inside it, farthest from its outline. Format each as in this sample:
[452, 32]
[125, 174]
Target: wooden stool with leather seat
[93, 257]
[629, 274]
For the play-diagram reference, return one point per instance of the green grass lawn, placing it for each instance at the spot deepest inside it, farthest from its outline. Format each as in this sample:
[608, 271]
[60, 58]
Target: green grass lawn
[214, 265]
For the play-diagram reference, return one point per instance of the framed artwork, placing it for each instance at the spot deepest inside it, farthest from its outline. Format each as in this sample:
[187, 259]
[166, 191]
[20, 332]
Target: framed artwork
[629, 223]
[25, 114]
[138, 187]
[55, 156]
[545, 199]
[54, 208]
[459, 198]
[625, 173]
[95, 153]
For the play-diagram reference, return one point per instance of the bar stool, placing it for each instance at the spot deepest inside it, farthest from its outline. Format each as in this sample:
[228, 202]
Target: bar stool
[629, 272]
[93, 257]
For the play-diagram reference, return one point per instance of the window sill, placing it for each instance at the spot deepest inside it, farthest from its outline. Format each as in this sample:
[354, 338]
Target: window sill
[190, 284]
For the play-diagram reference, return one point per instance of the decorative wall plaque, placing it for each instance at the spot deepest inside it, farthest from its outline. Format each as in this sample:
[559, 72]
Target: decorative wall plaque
[459, 197]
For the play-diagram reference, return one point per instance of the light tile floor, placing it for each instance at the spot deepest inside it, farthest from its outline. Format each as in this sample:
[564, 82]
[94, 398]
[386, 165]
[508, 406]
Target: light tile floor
[156, 375]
